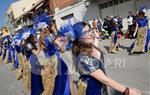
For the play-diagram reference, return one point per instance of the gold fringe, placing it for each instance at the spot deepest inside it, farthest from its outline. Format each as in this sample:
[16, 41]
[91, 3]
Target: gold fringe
[6, 58]
[1, 57]
[48, 75]
[20, 68]
[81, 87]
[140, 40]
[27, 76]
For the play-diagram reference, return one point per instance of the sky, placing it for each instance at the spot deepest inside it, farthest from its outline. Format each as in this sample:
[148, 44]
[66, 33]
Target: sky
[4, 4]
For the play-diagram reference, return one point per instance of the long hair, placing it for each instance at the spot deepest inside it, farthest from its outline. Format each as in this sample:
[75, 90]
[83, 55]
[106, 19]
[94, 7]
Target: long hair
[85, 48]
[30, 40]
[42, 39]
[50, 28]
[79, 46]
[44, 32]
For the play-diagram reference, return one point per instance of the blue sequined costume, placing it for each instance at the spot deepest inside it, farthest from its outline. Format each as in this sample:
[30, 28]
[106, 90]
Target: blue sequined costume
[87, 65]
[61, 86]
[36, 79]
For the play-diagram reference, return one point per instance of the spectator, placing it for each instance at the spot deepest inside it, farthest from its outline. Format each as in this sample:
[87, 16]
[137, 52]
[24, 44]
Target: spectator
[130, 19]
[94, 23]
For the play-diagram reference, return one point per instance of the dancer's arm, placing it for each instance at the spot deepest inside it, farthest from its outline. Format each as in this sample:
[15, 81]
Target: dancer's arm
[99, 75]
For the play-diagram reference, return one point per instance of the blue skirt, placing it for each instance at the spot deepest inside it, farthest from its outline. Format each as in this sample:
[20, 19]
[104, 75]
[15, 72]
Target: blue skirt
[36, 84]
[0, 51]
[36, 78]
[4, 55]
[62, 86]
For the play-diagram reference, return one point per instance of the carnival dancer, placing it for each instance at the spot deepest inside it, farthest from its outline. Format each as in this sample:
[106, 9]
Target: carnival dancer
[13, 54]
[1, 49]
[31, 50]
[147, 43]
[141, 31]
[114, 43]
[55, 75]
[9, 51]
[19, 54]
[5, 47]
[21, 58]
[89, 61]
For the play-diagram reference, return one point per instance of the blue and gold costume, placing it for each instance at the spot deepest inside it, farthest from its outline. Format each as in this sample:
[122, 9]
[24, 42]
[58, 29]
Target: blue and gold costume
[114, 39]
[36, 79]
[55, 78]
[88, 85]
[6, 48]
[87, 65]
[139, 44]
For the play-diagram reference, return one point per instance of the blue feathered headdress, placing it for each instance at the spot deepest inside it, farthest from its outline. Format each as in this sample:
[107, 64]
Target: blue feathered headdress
[67, 30]
[78, 30]
[143, 8]
[43, 18]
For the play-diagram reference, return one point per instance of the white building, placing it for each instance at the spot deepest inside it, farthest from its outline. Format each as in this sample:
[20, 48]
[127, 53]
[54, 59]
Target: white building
[88, 10]
[20, 7]
[17, 9]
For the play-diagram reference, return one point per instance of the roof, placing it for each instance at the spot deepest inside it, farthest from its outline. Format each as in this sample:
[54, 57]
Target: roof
[21, 7]
[39, 2]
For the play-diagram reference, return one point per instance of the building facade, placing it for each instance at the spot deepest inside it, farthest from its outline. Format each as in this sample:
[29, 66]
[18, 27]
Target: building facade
[16, 10]
[87, 10]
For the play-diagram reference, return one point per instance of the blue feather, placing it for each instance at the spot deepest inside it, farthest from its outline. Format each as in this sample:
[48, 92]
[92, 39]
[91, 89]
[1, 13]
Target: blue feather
[67, 30]
[78, 30]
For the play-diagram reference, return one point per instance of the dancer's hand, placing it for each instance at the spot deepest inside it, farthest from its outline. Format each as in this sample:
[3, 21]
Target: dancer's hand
[134, 91]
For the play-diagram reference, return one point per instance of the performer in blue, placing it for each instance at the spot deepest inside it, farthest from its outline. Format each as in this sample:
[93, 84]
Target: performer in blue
[6, 48]
[14, 54]
[147, 43]
[9, 51]
[20, 54]
[55, 75]
[1, 47]
[141, 31]
[114, 43]
[89, 61]
[31, 51]
[66, 30]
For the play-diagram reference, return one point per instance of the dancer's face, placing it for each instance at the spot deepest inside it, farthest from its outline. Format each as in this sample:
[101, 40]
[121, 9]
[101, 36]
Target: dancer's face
[141, 16]
[88, 37]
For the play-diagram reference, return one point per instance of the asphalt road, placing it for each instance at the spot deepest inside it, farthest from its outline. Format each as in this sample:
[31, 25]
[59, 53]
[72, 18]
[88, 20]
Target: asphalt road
[8, 84]
[129, 70]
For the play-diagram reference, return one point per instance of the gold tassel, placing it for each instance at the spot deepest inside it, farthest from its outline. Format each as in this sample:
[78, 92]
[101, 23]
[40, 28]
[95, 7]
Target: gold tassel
[20, 69]
[27, 76]
[49, 74]
[81, 87]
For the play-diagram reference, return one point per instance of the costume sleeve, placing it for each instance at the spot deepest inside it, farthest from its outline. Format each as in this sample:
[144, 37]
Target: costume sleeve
[51, 38]
[87, 65]
[29, 46]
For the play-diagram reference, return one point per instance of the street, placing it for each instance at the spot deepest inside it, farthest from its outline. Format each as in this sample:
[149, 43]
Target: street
[8, 84]
[130, 70]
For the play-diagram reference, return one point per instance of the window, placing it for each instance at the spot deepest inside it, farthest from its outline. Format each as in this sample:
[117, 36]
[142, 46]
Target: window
[127, 0]
[102, 6]
[67, 17]
[110, 3]
[121, 1]
[116, 2]
[106, 5]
